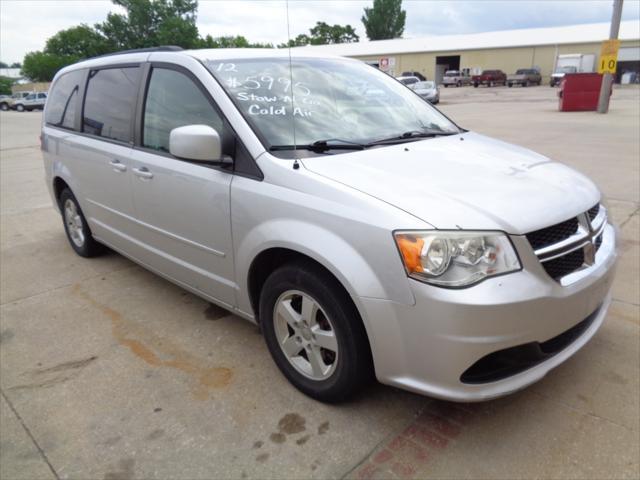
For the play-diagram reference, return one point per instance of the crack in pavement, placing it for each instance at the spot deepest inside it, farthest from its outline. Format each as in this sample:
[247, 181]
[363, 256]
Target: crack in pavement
[30, 435]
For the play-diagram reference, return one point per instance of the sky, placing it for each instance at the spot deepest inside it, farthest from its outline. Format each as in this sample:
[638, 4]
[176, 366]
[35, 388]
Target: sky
[25, 25]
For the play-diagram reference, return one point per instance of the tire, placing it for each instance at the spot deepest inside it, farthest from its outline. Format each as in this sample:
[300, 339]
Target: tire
[340, 374]
[20, 107]
[459, 84]
[526, 84]
[446, 85]
[491, 84]
[80, 239]
[510, 84]
[475, 85]
[4, 106]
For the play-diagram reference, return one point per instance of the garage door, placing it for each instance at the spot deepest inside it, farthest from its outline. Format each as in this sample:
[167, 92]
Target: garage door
[629, 54]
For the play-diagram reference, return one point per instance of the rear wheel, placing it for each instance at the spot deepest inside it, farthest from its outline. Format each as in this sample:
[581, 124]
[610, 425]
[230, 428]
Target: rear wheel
[475, 84]
[4, 106]
[314, 332]
[20, 107]
[510, 84]
[459, 84]
[76, 226]
[491, 84]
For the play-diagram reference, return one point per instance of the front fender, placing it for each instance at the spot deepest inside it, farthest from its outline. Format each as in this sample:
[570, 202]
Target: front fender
[347, 264]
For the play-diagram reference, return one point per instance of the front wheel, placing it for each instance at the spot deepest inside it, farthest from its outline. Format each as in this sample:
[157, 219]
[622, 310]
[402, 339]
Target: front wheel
[4, 106]
[475, 85]
[20, 108]
[314, 333]
[510, 84]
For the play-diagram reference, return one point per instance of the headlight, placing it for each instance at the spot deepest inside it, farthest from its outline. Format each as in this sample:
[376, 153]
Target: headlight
[456, 258]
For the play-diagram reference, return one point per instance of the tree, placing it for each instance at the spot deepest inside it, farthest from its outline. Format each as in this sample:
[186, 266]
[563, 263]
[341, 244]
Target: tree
[16, 65]
[323, 34]
[385, 20]
[79, 42]
[230, 42]
[145, 23]
[3, 65]
[41, 66]
[151, 23]
[5, 85]
[300, 41]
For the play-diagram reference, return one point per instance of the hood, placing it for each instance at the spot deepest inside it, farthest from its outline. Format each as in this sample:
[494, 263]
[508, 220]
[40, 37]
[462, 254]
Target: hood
[466, 181]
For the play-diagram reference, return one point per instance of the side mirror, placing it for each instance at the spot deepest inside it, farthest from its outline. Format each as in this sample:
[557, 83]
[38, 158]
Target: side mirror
[199, 143]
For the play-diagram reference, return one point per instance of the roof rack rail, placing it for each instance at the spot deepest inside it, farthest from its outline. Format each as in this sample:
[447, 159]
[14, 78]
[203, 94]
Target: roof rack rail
[162, 48]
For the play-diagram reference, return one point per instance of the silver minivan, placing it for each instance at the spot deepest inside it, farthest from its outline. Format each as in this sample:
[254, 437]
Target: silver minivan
[365, 232]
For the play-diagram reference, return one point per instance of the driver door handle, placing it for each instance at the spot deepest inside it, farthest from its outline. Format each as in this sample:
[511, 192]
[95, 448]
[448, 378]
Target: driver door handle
[143, 172]
[118, 166]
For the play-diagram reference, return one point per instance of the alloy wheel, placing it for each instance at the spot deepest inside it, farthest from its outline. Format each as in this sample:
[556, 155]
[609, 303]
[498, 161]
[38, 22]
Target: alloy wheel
[73, 220]
[305, 335]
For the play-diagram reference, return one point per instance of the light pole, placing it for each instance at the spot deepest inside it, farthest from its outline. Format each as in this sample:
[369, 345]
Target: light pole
[607, 79]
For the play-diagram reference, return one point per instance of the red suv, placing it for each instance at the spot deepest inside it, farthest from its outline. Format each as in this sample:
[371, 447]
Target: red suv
[490, 78]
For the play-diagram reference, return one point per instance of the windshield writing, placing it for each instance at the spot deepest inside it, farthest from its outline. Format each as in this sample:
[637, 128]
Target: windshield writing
[325, 99]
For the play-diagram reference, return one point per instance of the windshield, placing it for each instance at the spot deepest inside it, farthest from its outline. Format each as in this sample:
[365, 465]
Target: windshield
[332, 99]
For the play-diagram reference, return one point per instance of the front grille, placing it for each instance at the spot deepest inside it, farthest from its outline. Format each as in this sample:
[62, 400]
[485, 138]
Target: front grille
[598, 242]
[553, 234]
[569, 246]
[564, 265]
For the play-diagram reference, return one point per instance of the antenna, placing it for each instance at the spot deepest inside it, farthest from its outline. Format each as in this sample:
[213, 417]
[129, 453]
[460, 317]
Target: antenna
[293, 120]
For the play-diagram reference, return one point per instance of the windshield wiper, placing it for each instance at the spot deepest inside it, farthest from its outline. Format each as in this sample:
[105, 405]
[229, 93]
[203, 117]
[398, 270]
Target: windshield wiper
[411, 135]
[322, 146]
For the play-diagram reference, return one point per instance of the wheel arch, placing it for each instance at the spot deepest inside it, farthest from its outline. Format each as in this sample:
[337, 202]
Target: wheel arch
[59, 184]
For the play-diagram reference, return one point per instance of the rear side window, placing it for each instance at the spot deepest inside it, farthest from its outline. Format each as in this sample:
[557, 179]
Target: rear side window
[174, 100]
[109, 102]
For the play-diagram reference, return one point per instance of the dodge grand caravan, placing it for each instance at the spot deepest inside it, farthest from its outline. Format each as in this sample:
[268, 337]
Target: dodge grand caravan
[365, 232]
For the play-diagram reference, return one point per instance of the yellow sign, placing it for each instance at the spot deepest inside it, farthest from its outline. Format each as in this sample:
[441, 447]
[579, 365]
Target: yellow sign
[608, 56]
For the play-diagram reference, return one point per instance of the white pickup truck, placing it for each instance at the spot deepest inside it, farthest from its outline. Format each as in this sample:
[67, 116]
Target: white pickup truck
[455, 78]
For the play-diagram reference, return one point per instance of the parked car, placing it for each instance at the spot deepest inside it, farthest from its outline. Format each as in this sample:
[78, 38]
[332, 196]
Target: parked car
[8, 101]
[408, 80]
[33, 101]
[364, 237]
[427, 90]
[455, 77]
[558, 75]
[524, 77]
[414, 74]
[490, 78]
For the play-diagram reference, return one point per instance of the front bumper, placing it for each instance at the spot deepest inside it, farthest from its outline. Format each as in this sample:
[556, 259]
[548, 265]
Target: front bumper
[431, 98]
[426, 347]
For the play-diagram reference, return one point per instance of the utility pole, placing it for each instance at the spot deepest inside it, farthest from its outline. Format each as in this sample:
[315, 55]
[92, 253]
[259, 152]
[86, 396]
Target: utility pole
[607, 79]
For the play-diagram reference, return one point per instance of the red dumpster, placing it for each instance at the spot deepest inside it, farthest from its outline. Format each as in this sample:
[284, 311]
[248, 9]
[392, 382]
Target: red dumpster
[579, 92]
